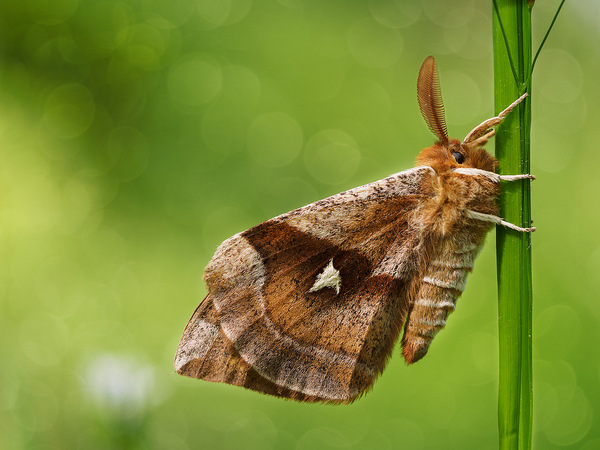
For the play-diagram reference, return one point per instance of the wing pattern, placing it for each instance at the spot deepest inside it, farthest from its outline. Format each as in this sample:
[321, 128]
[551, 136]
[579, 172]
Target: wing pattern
[261, 326]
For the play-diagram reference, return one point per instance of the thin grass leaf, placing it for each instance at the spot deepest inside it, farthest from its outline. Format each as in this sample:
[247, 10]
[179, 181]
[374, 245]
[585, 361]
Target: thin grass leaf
[546, 37]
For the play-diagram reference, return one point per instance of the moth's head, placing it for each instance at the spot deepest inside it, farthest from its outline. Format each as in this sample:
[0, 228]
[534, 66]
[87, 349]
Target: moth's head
[448, 154]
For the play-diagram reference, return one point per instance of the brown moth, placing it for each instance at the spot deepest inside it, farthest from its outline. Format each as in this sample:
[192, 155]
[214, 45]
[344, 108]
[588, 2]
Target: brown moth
[308, 305]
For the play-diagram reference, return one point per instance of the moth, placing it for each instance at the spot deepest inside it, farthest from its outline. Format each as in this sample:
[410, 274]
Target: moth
[308, 305]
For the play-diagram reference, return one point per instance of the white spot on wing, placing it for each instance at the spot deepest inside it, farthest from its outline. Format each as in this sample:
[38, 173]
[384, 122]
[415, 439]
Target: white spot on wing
[235, 329]
[330, 277]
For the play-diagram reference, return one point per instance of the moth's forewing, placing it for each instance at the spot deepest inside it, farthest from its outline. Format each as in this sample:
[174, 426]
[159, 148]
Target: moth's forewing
[261, 327]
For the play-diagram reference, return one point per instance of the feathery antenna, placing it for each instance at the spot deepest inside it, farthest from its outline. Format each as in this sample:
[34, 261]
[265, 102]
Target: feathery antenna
[429, 95]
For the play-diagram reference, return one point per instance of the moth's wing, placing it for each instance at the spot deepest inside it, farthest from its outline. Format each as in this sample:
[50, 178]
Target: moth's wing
[207, 354]
[318, 344]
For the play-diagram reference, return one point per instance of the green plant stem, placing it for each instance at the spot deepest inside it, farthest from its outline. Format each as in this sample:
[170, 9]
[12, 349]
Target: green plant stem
[513, 248]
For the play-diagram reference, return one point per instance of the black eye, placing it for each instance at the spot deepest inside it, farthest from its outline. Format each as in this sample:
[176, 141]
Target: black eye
[459, 157]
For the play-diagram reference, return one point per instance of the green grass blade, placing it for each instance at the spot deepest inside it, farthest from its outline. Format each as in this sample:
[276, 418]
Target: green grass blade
[512, 43]
[508, 52]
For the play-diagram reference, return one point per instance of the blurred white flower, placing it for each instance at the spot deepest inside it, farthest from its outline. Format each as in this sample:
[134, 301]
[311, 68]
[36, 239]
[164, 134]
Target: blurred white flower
[120, 385]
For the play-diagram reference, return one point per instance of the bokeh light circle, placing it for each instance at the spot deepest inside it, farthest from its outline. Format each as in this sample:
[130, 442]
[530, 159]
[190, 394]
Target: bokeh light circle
[395, 13]
[274, 139]
[332, 156]
[194, 80]
[69, 111]
[374, 45]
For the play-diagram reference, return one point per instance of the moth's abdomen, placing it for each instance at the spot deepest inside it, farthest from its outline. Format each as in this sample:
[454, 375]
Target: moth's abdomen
[434, 295]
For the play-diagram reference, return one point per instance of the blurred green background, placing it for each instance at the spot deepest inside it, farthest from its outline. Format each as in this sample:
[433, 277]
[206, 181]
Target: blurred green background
[137, 135]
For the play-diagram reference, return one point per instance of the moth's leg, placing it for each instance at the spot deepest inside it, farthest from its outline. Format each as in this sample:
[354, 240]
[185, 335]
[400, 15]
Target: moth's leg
[521, 176]
[483, 128]
[495, 219]
[492, 175]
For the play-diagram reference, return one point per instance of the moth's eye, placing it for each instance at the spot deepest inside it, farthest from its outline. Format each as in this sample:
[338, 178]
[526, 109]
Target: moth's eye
[459, 157]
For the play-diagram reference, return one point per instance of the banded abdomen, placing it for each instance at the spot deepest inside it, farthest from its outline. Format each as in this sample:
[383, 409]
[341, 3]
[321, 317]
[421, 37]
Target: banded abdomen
[435, 292]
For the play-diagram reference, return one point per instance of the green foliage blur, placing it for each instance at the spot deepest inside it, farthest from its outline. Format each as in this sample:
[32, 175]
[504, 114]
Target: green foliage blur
[137, 135]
